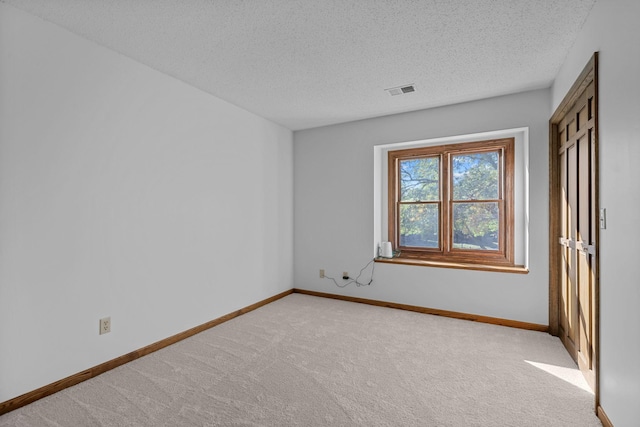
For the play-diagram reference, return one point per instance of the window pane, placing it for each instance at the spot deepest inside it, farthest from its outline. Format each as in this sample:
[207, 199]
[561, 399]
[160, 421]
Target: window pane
[420, 180]
[419, 225]
[476, 226]
[476, 176]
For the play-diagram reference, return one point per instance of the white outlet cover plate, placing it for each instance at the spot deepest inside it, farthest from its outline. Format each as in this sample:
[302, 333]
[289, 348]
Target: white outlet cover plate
[105, 325]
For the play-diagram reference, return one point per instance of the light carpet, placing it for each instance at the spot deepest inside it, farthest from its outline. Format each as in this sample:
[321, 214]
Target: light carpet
[310, 361]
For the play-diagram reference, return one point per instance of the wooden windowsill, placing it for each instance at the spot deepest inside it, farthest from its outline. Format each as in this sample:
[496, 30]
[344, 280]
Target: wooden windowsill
[518, 269]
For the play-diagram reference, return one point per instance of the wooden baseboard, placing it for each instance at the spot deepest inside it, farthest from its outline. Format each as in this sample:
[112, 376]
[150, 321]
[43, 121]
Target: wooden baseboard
[425, 310]
[606, 422]
[72, 380]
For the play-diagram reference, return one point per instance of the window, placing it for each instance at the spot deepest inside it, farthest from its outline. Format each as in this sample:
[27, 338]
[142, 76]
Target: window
[453, 203]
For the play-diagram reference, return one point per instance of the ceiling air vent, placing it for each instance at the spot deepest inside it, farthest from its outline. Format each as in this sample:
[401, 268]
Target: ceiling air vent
[400, 90]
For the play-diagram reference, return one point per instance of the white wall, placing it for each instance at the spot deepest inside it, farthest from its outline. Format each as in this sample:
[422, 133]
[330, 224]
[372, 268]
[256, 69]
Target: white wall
[612, 29]
[124, 193]
[334, 210]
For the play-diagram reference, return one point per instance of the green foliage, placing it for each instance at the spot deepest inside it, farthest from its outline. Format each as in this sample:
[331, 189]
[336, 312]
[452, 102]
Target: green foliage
[419, 182]
[475, 176]
[475, 179]
[420, 179]
[419, 225]
[475, 225]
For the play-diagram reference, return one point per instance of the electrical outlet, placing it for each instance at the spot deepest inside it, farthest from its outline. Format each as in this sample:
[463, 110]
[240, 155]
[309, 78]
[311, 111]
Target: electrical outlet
[105, 325]
[322, 273]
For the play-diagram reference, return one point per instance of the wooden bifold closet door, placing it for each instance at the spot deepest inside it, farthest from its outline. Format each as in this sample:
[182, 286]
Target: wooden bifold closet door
[578, 217]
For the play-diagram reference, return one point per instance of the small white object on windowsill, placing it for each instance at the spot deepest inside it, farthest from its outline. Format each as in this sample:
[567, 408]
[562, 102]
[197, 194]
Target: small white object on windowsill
[386, 251]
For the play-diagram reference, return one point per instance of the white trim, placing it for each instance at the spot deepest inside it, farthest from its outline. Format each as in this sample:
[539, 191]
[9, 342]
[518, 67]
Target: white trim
[521, 136]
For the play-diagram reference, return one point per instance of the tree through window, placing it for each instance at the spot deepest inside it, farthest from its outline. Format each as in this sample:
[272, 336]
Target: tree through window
[453, 202]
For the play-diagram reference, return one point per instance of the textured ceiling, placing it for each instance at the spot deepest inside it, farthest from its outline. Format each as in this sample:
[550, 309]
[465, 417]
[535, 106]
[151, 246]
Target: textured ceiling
[308, 63]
